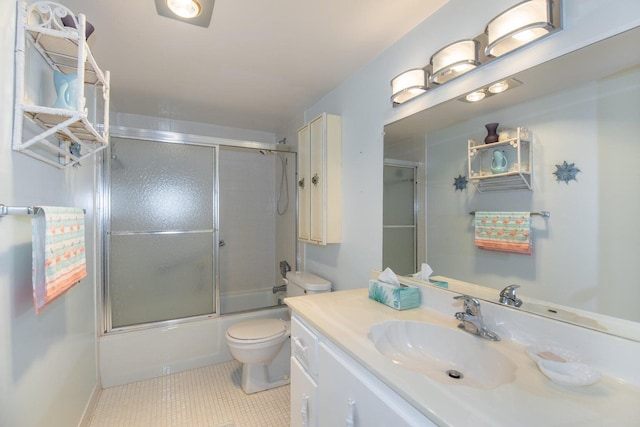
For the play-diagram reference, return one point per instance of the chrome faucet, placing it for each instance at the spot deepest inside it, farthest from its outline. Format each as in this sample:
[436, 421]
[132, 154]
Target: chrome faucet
[508, 296]
[471, 319]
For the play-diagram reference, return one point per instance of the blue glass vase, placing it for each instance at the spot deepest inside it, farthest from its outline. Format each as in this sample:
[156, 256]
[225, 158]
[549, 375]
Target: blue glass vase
[65, 85]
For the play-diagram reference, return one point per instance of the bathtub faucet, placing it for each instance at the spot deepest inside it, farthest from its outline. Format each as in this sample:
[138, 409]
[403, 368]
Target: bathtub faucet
[281, 288]
[284, 268]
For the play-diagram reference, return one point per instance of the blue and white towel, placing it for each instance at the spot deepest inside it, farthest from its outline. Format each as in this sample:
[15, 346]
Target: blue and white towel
[58, 252]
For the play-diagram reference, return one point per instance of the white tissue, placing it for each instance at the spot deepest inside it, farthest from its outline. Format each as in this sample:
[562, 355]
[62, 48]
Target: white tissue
[424, 273]
[388, 276]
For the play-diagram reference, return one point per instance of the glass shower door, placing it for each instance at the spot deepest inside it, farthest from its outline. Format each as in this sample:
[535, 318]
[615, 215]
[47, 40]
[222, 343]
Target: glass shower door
[161, 232]
[399, 216]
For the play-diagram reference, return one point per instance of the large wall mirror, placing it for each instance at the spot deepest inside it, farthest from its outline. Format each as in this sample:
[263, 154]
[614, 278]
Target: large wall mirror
[582, 108]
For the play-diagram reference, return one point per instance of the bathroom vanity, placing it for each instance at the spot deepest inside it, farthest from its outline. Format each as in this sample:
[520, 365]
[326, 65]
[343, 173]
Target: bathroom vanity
[340, 377]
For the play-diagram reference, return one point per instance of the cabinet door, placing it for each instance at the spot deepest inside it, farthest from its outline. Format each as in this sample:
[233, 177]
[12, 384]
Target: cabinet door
[303, 397]
[348, 395]
[318, 179]
[304, 182]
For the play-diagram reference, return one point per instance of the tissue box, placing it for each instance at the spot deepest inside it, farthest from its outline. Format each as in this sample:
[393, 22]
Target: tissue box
[398, 297]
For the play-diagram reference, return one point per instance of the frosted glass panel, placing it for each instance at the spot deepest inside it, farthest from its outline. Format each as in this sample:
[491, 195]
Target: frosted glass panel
[160, 186]
[160, 277]
[399, 192]
[398, 252]
[248, 225]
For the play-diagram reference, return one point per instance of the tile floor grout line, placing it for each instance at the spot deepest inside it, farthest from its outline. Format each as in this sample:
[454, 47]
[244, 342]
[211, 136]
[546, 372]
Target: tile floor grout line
[204, 397]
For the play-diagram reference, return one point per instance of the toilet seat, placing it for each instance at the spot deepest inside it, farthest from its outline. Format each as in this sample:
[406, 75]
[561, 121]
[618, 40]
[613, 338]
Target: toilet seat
[257, 331]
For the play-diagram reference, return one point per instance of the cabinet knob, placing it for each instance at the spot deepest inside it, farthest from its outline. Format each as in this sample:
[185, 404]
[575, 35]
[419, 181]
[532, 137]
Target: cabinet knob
[315, 180]
[351, 412]
[300, 348]
[301, 183]
[304, 411]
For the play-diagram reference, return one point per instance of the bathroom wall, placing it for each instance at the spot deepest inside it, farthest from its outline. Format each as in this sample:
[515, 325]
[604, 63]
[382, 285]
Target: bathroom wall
[47, 361]
[594, 126]
[363, 102]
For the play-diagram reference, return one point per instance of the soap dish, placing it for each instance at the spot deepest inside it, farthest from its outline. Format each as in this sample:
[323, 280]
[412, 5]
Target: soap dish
[555, 354]
[563, 366]
[571, 374]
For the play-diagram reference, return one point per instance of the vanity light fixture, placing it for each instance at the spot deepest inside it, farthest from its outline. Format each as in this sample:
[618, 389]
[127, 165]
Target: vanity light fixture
[196, 12]
[408, 85]
[517, 26]
[490, 90]
[522, 24]
[454, 60]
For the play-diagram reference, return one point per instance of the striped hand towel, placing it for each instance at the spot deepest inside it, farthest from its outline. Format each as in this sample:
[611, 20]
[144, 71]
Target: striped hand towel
[58, 252]
[504, 231]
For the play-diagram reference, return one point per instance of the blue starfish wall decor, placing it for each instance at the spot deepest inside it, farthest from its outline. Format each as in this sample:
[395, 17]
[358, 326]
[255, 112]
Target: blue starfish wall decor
[460, 182]
[566, 172]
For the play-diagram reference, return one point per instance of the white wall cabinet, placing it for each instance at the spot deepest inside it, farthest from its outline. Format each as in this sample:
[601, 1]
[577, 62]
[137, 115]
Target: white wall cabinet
[320, 180]
[343, 392]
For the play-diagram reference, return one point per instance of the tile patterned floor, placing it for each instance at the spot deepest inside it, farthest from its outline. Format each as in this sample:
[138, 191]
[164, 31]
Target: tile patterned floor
[204, 397]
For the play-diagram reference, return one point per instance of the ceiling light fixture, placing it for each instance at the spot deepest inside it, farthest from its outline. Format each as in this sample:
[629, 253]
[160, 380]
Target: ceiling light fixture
[522, 24]
[196, 12]
[476, 96]
[185, 8]
[499, 87]
[408, 85]
[490, 90]
[454, 60]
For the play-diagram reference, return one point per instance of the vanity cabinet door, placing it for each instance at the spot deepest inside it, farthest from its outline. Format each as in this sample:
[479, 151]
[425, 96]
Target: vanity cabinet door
[303, 397]
[349, 395]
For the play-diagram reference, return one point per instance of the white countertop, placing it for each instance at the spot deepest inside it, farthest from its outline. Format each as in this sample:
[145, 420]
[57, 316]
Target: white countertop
[345, 318]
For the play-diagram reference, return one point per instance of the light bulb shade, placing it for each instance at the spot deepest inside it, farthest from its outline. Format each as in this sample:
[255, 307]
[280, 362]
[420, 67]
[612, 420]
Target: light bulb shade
[408, 85]
[185, 8]
[454, 60]
[522, 24]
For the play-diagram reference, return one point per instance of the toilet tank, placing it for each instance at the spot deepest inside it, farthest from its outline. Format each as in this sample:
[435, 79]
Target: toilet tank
[302, 283]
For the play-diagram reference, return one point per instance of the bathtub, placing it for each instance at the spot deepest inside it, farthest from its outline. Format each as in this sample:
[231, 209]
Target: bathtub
[126, 357]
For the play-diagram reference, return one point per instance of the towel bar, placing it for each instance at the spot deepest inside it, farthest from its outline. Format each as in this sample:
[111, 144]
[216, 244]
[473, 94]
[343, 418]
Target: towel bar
[544, 214]
[21, 210]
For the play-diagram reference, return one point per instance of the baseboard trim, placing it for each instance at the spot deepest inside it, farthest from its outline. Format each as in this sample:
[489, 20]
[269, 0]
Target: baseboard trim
[85, 421]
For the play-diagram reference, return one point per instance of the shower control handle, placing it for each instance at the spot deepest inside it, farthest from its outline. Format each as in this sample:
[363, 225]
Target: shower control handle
[301, 183]
[315, 180]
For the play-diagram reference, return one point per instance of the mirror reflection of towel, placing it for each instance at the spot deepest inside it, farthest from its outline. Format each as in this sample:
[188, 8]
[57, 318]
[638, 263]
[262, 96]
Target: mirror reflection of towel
[504, 232]
[58, 252]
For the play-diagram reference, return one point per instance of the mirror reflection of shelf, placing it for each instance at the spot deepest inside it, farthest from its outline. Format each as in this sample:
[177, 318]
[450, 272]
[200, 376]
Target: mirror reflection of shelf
[516, 146]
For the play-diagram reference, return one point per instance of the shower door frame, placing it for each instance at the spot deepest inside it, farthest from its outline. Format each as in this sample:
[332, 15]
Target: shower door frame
[105, 214]
[414, 166]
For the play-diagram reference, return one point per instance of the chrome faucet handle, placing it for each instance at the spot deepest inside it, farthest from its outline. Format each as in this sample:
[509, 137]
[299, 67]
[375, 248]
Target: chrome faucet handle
[471, 304]
[508, 296]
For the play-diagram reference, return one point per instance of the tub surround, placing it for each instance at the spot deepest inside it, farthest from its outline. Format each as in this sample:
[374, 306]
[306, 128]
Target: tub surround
[345, 318]
[148, 353]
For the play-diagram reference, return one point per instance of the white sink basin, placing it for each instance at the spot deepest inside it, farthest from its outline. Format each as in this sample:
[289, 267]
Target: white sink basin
[442, 353]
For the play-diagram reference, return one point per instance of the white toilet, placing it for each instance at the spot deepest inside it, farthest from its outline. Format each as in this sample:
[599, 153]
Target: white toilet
[262, 345]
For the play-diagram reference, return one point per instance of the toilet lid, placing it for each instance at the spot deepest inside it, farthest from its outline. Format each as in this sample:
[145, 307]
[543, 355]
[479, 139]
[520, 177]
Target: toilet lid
[257, 329]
